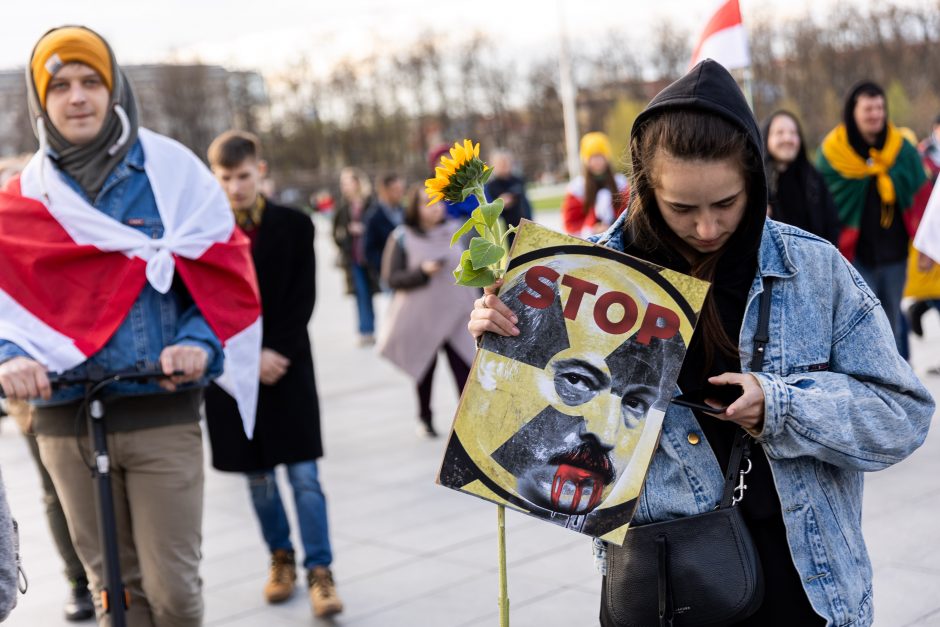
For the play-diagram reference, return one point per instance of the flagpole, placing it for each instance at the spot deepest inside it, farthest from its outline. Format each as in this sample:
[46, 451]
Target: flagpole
[568, 99]
[749, 87]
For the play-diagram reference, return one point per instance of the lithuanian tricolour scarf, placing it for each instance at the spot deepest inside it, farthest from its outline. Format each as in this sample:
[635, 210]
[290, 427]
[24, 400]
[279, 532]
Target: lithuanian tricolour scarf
[897, 171]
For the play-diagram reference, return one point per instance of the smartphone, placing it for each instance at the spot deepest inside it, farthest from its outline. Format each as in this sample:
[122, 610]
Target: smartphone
[714, 399]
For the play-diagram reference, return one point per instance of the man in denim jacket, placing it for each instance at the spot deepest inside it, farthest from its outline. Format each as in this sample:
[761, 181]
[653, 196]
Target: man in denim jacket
[86, 120]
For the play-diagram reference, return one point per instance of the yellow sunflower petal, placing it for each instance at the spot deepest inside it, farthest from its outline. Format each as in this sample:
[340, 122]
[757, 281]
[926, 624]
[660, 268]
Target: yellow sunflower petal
[476, 151]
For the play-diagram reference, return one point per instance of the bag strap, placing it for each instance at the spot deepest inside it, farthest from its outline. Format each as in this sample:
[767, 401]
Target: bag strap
[664, 582]
[741, 449]
[762, 336]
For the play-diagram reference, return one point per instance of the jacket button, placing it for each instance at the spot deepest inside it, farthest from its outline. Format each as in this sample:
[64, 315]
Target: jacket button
[693, 438]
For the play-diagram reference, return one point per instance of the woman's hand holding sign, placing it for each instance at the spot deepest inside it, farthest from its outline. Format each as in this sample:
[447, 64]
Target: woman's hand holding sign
[491, 314]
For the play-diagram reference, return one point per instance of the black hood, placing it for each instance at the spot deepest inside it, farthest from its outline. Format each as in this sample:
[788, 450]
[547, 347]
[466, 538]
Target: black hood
[710, 87]
[848, 117]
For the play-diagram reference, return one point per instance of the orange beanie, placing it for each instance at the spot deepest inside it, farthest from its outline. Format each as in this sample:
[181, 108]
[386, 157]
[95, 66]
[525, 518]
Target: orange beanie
[69, 44]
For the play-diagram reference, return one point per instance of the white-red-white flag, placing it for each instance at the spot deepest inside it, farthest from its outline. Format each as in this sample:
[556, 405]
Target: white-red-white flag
[724, 38]
[69, 273]
[927, 239]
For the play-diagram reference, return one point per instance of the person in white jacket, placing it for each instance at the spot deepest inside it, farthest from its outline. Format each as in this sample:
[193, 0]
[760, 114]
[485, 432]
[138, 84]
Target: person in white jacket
[927, 239]
[9, 560]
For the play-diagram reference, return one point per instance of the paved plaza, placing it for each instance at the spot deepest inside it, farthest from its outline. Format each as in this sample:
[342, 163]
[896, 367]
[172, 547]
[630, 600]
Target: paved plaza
[409, 553]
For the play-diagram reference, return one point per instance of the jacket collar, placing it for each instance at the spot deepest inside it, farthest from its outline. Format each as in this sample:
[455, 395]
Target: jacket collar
[773, 258]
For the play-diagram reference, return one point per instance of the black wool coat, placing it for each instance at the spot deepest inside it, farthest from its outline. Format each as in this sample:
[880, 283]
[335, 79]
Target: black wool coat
[288, 421]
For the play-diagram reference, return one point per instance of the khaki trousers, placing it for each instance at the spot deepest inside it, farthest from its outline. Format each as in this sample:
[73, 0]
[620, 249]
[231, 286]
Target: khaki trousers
[157, 479]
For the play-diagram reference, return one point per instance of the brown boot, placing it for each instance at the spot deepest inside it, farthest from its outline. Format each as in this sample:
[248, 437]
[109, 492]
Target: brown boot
[281, 579]
[323, 596]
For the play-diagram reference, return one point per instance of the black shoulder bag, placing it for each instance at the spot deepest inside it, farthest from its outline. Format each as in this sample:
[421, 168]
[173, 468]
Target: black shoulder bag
[695, 571]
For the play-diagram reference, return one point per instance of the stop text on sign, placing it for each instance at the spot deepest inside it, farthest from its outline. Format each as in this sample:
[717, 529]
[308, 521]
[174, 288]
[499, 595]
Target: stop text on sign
[657, 321]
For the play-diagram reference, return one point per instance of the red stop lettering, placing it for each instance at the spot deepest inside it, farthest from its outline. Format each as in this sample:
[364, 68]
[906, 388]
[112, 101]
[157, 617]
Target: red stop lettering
[658, 322]
[546, 293]
[579, 288]
[602, 307]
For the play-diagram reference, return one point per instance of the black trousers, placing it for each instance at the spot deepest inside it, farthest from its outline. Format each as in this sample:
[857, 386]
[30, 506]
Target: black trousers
[458, 366]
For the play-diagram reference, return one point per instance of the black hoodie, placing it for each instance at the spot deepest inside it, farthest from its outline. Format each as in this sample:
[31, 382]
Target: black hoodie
[709, 87]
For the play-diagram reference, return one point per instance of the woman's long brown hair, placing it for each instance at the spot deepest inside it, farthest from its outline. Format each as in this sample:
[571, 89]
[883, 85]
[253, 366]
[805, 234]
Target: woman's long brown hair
[693, 135]
[593, 184]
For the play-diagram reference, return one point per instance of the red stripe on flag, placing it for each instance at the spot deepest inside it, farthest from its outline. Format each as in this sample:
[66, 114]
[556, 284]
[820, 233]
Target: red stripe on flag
[223, 285]
[79, 291]
[728, 15]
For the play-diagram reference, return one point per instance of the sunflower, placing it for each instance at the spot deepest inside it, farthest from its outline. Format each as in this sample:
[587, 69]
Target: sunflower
[458, 177]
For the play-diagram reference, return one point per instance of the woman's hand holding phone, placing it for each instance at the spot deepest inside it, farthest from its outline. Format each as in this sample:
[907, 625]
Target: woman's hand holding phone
[748, 410]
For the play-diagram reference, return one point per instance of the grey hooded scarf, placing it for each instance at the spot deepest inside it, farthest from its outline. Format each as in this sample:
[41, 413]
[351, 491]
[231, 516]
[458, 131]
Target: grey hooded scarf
[89, 164]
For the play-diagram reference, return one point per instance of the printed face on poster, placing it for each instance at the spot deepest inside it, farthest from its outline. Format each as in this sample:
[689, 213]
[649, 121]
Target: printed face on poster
[561, 421]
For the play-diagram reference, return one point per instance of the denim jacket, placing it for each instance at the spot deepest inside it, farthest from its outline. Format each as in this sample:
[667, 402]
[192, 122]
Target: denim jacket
[839, 401]
[155, 320]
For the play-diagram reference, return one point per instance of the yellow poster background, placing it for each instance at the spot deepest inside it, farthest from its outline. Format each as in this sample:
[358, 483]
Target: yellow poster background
[556, 398]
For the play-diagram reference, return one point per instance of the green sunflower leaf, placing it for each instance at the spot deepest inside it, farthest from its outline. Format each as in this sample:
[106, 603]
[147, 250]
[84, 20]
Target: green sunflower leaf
[484, 253]
[465, 271]
[481, 278]
[491, 212]
[463, 230]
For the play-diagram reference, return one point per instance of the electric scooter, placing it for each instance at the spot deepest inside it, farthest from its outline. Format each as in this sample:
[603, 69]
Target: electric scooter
[114, 597]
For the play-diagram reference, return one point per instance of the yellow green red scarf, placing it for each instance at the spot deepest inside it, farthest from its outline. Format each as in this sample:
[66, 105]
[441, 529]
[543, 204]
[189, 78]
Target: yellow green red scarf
[896, 168]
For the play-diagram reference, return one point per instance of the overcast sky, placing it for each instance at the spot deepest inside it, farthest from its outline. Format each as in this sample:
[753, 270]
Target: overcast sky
[267, 34]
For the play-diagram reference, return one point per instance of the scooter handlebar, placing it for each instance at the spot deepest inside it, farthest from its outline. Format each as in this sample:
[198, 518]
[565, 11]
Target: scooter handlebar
[62, 379]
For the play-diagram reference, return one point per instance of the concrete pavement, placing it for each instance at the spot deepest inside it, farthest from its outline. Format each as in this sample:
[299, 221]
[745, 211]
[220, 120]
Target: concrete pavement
[412, 554]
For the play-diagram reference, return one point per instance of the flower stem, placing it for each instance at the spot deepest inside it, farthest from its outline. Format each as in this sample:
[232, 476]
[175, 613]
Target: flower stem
[503, 587]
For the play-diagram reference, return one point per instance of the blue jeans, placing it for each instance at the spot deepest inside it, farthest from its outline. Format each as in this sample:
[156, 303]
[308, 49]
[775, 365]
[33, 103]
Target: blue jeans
[360, 275]
[887, 282]
[311, 512]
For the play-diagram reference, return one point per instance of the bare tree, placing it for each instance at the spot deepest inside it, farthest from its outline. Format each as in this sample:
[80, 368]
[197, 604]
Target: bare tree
[671, 51]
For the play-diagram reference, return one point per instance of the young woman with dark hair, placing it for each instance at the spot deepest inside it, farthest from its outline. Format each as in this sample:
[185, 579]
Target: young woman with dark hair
[428, 311]
[599, 195]
[798, 193]
[833, 399]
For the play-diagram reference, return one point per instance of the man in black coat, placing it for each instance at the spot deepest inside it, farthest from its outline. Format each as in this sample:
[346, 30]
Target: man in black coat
[288, 426]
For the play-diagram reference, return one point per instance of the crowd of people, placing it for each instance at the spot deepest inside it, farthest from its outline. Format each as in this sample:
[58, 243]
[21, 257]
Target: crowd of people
[137, 238]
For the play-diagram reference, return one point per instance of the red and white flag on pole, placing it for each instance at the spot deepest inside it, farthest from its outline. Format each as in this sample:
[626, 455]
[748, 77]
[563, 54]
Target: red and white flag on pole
[724, 38]
[69, 273]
